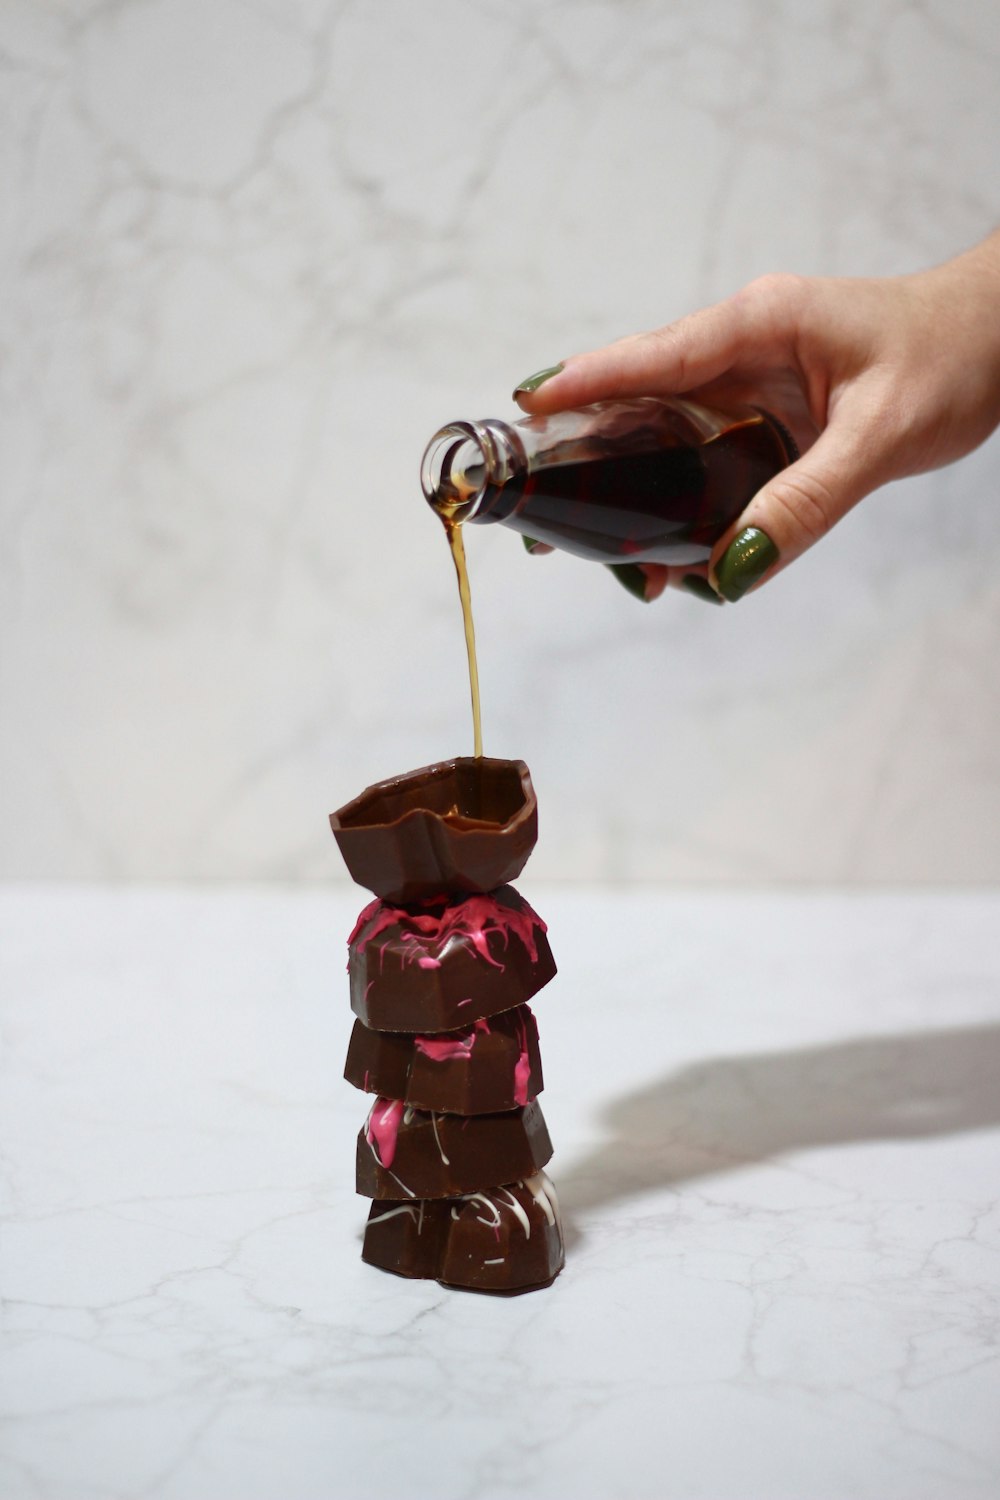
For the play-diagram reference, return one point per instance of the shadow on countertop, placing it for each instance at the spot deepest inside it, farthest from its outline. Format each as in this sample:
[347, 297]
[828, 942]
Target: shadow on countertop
[730, 1112]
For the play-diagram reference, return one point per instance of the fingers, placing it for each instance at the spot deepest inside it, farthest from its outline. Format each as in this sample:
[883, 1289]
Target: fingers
[780, 337]
[678, 357]
[675, 358]
[795, 509]
[645, 581]
[783, 520]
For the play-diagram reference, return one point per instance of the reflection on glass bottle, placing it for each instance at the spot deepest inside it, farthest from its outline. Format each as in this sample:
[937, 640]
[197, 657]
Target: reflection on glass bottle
[639, 481]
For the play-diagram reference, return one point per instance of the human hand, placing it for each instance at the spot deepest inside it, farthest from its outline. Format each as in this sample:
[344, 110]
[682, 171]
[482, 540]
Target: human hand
[876, 378]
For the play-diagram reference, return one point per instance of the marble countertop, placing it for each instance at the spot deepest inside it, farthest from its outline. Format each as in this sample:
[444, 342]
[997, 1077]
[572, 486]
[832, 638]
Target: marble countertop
[776, 1121]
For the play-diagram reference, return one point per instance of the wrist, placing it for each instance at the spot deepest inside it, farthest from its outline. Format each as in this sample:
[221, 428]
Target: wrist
[962, 310]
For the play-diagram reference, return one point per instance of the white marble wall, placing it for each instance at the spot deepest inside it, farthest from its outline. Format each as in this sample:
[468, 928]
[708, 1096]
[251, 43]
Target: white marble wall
[254, 253]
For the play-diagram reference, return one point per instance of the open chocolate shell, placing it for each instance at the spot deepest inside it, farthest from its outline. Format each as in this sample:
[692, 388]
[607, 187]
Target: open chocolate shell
[454, 828]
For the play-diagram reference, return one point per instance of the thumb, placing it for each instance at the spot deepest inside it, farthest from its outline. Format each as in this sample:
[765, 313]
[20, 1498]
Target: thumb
[794, 509]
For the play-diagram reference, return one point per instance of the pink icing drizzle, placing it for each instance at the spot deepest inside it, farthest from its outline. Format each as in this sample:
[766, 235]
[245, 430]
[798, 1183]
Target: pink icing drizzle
[383, 1128]
[522, 1068]
[424, 935]
[457, 1046]
[454, 1045]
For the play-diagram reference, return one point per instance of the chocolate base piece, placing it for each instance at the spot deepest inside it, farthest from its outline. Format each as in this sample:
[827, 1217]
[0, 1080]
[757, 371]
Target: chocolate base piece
[492, 1065]
[407, 1237]
[447, 965]
[505, 1241]
[409, 1153]
[458, 826]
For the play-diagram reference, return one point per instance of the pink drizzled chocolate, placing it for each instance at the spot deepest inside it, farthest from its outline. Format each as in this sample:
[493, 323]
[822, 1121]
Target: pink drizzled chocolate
[445, 966]
[382, 1128]
[522, 1070]
[492, 1065]
[423, 935]
[455, 1046]
[441, 1155]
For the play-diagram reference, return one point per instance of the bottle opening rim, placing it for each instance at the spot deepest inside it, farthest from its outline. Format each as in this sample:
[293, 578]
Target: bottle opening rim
[445, 478]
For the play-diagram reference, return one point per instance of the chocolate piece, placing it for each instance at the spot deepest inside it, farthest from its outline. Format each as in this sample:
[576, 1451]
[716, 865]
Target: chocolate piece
[453, 828]
[407, 1237]
[410, 1153]
[489, 1066]
[446, 966]
[506, 1240]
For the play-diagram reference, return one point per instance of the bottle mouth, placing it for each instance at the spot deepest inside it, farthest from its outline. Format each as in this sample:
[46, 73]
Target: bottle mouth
[455, 469]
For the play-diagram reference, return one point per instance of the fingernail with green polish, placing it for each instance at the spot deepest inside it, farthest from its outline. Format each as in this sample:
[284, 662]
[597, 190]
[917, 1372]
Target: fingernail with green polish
[630, 577]
[525, 387]
[700, 587]
[530, 543]
[745, 560]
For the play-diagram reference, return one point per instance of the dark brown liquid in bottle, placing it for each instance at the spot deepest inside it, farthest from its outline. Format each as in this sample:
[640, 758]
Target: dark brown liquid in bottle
[667, 505]
[456, 542]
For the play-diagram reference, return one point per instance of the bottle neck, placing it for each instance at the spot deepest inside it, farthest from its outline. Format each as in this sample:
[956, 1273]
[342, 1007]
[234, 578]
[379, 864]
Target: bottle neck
[466, 466]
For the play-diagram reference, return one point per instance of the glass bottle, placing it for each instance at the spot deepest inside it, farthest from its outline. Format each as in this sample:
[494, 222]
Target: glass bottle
[644, 480]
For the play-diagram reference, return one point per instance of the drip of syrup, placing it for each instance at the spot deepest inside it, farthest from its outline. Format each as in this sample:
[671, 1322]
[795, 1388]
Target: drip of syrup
[453, 531]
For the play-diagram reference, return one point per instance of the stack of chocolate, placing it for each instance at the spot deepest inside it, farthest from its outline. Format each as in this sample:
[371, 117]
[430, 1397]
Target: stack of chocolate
[442, 964]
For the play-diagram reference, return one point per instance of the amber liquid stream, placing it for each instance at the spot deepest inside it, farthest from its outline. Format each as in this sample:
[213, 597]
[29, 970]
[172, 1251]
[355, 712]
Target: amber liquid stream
[457, 544]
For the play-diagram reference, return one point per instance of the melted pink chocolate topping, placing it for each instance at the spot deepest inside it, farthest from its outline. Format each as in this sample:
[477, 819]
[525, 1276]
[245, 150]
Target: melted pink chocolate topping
[456, 1044]
[460, 1044]
[425, 935]
[522, 1069]
[383, 1128]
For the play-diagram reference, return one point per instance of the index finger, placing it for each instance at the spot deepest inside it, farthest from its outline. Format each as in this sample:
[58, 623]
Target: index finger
[665, 361]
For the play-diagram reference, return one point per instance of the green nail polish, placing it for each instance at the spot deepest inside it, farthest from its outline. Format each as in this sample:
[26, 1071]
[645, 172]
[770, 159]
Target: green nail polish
[630, 577]
[700, 587]
[745, 560]
[530, 543]
[525, 387]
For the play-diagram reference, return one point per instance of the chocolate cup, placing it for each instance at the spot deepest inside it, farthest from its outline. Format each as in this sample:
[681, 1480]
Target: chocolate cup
[442, 1156]
[506, 1241]
[444, 968]
[489, 1066]
[451, 829]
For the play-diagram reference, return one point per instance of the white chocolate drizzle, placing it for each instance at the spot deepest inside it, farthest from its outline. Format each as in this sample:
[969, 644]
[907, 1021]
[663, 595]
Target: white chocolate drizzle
[493, 1222]
[517, 1208]
[544, 1194]
[408, 1191]
[437, 1138]
[404, 1208]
